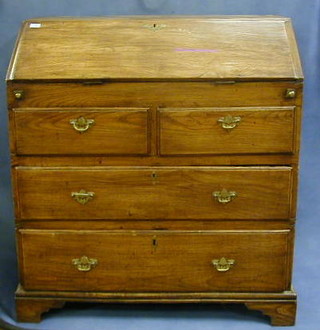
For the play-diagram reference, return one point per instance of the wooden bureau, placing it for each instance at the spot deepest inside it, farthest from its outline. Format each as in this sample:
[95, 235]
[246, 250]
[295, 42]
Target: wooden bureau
[155, 159]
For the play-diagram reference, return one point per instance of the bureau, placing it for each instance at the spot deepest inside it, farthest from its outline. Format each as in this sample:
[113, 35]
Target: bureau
[155, 159]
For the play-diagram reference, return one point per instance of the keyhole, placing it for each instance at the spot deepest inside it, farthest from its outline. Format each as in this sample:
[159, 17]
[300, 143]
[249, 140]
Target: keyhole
[154, 243]
[154, 175]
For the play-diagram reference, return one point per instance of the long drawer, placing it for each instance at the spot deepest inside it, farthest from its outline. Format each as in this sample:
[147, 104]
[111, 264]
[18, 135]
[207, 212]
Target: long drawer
[209, 131]
[120, 131]
[139, 261]
[153, 193]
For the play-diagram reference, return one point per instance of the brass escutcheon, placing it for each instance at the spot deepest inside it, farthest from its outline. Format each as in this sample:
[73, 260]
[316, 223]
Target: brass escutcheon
[82, 196]
[81, 124]
[223, 264]
[84, 264]
[224, 196]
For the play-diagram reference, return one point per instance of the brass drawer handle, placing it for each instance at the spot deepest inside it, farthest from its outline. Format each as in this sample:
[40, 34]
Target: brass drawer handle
[224, 196]
[223, 264]
[84, 264]
[81, 124]
[82, 196]
[229, 122]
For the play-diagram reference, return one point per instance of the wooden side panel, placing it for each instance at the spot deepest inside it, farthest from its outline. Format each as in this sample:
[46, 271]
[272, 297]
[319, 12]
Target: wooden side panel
[113, 131]
[198, 131]
[155, 193]
[155, 261]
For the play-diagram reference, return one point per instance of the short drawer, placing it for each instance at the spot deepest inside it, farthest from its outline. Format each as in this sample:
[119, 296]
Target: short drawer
[208, 131]
[154, 193]
[96, 131]
[234, 261]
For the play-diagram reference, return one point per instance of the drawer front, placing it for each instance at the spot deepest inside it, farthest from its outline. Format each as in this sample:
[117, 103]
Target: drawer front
[155, 261]
[100, 131]
[226, 131]
[154, 193]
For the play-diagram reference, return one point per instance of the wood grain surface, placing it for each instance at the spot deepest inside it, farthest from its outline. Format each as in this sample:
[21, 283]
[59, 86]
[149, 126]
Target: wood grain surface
[155, 261]
[198, 131]
[154, 193]
[114, 131]
[281, 313]
[203, 225]
[157, 94]
[156, 48]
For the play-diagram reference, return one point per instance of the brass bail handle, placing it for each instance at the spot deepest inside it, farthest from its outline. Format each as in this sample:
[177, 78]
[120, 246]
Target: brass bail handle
[223, 264]
[81, 124]
[229, 122]
[224, 196]
[82, 196]
[84, 264]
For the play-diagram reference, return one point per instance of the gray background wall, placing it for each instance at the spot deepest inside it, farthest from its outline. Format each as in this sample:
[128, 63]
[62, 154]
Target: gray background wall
[306, 19]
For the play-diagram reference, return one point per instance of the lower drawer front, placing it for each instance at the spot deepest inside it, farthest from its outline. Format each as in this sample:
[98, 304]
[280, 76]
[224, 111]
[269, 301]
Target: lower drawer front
[154, 193]
[151, 261]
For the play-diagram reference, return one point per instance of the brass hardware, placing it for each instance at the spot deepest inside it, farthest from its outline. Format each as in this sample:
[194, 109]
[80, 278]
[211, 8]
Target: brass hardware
[154, 27]
[291, 93]
[229, 122]
[223, 264]
[18, 94]
[82, 197]
[84, 264]
[81, 124]
[224, 196]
